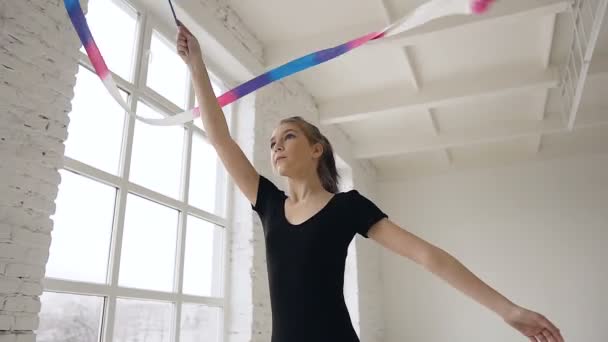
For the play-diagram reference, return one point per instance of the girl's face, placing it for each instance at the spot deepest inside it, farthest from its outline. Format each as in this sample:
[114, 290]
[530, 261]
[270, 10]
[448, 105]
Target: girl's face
[291, 153]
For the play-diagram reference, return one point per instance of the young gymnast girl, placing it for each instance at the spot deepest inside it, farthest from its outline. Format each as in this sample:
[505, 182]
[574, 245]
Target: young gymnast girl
[307, 231]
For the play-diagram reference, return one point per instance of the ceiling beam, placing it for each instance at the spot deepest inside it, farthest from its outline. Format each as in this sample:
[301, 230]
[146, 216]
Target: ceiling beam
[433, 121]
[502, 12]
[411, 68]
[537, 143]
[491, 82]
[281, 51]
[445, 141]
[541, 116]
[548, 33]
[448, 157]
[541, 106]
[409, 65]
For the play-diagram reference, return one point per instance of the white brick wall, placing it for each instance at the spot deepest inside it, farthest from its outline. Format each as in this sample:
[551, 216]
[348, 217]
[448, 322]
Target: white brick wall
[38, 64]
[239, 308]
[371, 313]
[233, 23]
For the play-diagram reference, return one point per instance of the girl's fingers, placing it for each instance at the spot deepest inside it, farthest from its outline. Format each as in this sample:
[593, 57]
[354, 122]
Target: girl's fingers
[555, 335]
[553, 329]
[548, 324]
[550, 337]
[183, 30]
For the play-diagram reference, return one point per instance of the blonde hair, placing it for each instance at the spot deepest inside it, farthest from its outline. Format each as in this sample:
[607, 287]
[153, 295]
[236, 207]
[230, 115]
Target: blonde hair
[327, 171]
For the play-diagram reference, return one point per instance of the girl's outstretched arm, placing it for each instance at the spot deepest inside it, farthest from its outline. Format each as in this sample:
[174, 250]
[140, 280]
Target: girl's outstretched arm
[234, 160]
[439, 262]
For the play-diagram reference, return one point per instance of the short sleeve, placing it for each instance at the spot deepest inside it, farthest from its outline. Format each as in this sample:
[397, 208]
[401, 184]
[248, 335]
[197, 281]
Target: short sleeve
[364, 213]
[267, 196]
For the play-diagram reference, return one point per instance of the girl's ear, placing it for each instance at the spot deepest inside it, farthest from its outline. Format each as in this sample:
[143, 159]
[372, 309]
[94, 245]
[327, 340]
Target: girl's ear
[317, 150]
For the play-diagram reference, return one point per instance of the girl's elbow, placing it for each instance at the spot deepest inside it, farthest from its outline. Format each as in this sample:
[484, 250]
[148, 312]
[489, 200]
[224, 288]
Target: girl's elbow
[431, 258]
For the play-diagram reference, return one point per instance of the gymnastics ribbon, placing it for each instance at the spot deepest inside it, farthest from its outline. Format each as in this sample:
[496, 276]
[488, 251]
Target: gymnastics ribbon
[424, 13]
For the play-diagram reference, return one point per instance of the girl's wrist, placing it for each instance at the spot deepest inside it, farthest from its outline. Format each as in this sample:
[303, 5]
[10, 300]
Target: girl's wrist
[509, 311]
[197, 66]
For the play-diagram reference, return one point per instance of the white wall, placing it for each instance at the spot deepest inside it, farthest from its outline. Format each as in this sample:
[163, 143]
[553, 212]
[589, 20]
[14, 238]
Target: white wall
[37, 74]
[537, 232]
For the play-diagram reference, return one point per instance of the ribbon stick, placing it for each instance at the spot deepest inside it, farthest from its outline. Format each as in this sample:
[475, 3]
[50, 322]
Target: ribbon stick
[424, 13]
[173, 12]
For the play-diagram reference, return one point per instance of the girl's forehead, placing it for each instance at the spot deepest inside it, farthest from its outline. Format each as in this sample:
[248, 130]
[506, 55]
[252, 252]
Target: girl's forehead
[283, 128]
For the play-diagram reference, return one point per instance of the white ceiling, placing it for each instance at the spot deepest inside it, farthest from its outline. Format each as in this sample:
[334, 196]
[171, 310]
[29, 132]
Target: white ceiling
[457, 93]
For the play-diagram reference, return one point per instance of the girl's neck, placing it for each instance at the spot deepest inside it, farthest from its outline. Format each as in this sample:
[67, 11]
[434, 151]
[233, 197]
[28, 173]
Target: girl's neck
[303, 189]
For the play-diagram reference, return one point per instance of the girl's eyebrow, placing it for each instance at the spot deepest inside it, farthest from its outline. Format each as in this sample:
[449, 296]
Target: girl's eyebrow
[287, 130]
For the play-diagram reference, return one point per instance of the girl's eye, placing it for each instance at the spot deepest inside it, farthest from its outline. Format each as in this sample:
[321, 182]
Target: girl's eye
[271, 145]
[289, 135]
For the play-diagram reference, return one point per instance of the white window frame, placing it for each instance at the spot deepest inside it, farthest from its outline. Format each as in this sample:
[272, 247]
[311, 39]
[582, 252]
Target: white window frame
[138, 91]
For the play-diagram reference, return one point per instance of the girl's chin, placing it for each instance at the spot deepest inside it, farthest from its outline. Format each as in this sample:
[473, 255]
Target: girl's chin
[281, 170]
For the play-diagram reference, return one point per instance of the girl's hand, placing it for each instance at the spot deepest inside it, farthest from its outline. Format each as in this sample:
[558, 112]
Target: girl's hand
[534, 326]
[188, 48]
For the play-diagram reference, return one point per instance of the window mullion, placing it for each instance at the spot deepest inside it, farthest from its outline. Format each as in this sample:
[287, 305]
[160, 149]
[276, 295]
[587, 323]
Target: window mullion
[182, 231]
[142, 41]
[121, 83]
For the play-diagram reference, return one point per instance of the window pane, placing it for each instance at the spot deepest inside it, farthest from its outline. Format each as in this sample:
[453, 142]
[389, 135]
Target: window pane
[148, 247]
[157, 154]
[96, 124]
[144, 321]
[116, 41]
[200, 323]
[204, 178]
[200, 259]
[82, 229]
[69, 318]
[167, 73]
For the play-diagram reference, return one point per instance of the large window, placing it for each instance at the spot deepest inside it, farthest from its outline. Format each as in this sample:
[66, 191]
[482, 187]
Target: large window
[138, 248]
